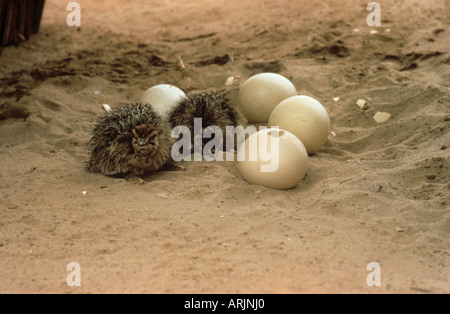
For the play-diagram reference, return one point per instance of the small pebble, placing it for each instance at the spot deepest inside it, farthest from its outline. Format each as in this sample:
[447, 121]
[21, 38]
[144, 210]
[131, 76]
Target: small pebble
[381, 117]
[229, 81]
[361, 103]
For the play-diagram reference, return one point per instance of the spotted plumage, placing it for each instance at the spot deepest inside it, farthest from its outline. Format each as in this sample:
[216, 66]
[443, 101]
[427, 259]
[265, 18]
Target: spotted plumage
[213, 109]
[129, 141]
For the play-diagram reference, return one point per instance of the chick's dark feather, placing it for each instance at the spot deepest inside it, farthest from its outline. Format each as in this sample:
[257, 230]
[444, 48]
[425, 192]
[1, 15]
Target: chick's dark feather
[213, 109]
[110, 146]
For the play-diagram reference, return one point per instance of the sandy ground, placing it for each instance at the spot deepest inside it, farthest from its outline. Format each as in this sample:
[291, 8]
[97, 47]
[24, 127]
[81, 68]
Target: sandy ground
[374, 193]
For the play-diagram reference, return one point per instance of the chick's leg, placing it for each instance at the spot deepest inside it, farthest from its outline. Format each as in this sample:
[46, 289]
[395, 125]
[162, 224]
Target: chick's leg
[135, 162]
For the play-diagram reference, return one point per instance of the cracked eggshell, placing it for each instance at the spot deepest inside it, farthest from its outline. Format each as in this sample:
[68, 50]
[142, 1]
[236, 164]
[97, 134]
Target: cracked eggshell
[261, 93]
[304, 117]
[278, 166]
[162, 97]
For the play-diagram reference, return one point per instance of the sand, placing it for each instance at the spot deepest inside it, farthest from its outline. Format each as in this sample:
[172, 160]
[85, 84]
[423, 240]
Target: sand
[376, 192]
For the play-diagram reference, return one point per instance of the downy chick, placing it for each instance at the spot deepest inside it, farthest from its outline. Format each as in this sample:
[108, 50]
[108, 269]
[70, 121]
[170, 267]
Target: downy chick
[129, 141]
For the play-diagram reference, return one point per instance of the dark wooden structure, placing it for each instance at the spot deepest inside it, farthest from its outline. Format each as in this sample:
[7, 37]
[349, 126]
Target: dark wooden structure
[19, 19]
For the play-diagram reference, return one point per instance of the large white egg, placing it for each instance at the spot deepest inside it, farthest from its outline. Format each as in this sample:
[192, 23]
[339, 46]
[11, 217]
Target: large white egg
[273, 158]
[261, 93]
[162, 97]
[304, 117]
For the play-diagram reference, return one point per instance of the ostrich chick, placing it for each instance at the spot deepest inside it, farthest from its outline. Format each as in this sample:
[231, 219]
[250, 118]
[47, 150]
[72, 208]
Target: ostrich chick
[213, 109]
[129, 141]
